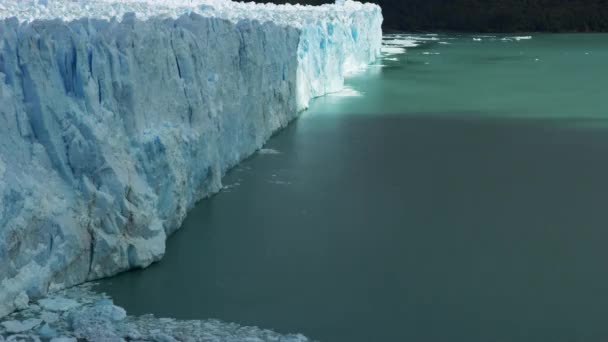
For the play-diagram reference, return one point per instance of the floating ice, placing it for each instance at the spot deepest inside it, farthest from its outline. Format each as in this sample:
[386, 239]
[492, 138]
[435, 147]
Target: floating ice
[423, 38]
[229, 187]
[397, 44]
[279, 182]
[347, 92]
[16, 327]
[517, 38]
[268, 151]
[400, 42]
[58, 304]
[96, 318]
[392, 50]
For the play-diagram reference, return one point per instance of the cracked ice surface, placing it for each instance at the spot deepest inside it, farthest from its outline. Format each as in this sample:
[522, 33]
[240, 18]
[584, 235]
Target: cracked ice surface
[113, 124]
[94, 317]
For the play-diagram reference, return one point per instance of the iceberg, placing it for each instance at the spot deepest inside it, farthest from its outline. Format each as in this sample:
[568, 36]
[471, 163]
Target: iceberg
[117, 117]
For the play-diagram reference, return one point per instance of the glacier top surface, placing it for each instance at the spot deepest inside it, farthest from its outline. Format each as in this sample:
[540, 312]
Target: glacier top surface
[68, 10]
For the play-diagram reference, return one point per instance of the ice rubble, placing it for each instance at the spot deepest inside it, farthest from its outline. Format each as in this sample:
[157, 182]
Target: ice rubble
[116, 117]
[96, 318]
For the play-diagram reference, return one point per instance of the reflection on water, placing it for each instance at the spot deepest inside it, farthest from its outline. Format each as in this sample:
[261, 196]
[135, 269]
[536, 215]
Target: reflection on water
[460, 200]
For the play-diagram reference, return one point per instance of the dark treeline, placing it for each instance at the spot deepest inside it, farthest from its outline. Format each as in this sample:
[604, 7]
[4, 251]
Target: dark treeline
[491, 15]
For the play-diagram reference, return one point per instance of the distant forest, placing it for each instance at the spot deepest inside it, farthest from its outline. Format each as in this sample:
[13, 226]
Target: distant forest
[490, 15]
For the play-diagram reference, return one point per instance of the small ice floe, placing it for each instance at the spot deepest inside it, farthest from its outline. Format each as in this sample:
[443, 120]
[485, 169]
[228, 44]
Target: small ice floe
[444, 43]
[389, 50]
[268, 151]
[243, 168]
[516, 38]
[400, 42]
[347, 92]
[16, 327]
[423, 38]
[279, 182]
[477, 39]
[536, 59]
[276, 181]
[228, 187]
[22, 300]
[431, 53]
[394, 59]
[58, 304]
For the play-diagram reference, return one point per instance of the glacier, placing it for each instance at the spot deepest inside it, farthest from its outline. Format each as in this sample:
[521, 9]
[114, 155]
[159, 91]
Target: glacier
[117, 117]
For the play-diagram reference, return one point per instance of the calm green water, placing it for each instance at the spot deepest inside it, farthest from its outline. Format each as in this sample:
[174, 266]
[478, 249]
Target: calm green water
[462, 197]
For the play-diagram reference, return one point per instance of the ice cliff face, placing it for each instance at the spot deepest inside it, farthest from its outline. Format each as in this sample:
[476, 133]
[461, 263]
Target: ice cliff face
[113, 124]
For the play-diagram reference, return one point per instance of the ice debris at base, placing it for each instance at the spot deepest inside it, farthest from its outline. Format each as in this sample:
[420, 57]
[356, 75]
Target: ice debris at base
[268, 151]
[116, 117]
[15, 327]
[347, 92]
[96, 318]
[395, 44]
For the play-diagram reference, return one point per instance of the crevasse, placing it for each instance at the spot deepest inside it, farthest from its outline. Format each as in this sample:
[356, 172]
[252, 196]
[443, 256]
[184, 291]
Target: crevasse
[115, 118]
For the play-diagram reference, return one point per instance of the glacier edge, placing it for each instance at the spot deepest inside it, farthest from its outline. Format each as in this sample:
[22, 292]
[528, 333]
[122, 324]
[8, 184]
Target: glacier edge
[112, 129]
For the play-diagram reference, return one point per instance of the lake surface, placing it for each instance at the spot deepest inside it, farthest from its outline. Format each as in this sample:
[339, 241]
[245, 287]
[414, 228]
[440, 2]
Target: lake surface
[457, 192]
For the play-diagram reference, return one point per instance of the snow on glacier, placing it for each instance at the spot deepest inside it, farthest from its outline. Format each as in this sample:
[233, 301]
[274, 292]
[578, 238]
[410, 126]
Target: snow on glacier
[116, 117]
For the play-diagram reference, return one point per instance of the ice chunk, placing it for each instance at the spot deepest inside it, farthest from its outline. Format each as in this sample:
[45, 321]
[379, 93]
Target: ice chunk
[347, 92]
[22, 301]
[96, 318]
[58, 304]
[517, 38]
[392, 50]
[47, 332]
[16, 327]
[268, 151]
[400, 42]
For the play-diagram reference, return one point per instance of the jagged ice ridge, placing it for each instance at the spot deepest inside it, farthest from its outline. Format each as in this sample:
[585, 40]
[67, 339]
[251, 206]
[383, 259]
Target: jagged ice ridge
[115, 118]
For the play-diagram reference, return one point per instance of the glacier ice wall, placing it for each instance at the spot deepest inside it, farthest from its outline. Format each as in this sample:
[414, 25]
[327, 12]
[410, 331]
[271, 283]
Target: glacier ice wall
[115, 118]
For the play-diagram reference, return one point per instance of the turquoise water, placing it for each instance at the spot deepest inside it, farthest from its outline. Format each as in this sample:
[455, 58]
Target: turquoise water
[457, 193]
